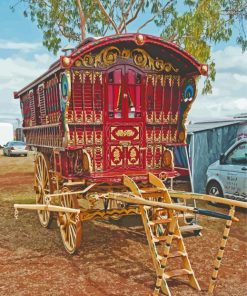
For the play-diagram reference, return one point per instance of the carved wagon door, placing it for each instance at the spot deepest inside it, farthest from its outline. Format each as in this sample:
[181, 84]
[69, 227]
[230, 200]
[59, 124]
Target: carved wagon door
[125, 119]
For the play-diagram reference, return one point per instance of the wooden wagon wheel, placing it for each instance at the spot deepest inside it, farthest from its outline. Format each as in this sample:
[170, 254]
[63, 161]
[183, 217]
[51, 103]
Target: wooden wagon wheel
[69, 223]
[43, 187]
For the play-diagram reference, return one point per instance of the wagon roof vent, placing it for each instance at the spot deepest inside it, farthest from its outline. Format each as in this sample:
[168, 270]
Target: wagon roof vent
[67, 49]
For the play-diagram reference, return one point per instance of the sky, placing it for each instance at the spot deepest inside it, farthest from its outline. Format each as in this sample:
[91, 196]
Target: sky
[23, 58]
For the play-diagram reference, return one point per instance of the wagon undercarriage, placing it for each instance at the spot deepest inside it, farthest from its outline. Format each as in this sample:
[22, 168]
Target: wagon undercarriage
[76, 202]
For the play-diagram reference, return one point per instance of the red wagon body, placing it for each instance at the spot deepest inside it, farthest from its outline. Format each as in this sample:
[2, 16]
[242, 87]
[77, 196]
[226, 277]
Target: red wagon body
[110, 107]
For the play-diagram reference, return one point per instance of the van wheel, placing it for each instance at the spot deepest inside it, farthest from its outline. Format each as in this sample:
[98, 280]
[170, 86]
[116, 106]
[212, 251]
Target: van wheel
[214, 189]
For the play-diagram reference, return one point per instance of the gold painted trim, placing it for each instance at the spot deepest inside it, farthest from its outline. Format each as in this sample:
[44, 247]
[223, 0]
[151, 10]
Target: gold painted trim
[110, 54]
[66, 138]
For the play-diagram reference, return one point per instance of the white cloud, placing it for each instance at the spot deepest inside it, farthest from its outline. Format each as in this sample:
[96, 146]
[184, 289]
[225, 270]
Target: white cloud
[241, 78]
[229, 95]
[21, 71]
[17, 72]
[4, 44]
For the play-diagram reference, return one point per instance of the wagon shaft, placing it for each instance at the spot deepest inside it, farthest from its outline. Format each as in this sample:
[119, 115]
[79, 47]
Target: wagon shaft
[44, 207]
[216, 199]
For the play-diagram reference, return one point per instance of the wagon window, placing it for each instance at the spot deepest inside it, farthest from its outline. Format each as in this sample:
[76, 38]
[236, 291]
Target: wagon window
[115, 94]
[134, 94]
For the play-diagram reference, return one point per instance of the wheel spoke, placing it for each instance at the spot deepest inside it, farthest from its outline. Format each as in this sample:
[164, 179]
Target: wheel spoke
[43, 181]
[71, 230]
[72, 240]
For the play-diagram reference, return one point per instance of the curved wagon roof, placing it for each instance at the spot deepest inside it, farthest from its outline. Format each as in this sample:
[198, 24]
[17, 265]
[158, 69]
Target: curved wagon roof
[156, 46]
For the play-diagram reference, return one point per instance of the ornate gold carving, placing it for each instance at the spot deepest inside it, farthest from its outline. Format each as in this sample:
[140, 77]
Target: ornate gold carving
[76, 74]
[98, 154]
[150, 117]
[88, 116]
[149, 136]
[116, 155]
[126, 54]
[87, 60]
[97, 74]
[137, 137]
[133, 157]
[78, 117]
[157, 117]
[98, 116]
[78, 63]
[152, 78]
[125, 133]
[141, 58]
[132, 154]
[174, 120]
[87, 74]
[121, 132]
[80, 138]
[157, 136]
[98, 138]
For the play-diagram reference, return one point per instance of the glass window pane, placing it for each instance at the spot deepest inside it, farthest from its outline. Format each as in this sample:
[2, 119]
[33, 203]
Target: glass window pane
[238, 156]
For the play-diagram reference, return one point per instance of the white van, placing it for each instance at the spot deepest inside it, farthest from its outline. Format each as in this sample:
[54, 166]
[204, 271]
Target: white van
[227, 177]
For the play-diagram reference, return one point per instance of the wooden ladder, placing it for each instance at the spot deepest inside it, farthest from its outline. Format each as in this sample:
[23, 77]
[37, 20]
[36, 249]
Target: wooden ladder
[162, 229]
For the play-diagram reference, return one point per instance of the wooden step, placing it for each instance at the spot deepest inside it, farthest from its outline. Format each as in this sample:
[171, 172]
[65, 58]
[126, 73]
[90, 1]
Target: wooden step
[163, 238]
[176, 254]
[190, 228]
[177, 272]
[159, 221]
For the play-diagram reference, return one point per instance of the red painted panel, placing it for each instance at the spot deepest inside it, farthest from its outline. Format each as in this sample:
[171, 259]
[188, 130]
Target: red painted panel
[125, 121]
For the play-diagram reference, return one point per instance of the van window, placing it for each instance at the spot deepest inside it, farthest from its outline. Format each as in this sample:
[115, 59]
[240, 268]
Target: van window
[238, 155]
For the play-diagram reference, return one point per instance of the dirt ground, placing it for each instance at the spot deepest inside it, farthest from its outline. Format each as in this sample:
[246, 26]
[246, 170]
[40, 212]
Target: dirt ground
[112, 260]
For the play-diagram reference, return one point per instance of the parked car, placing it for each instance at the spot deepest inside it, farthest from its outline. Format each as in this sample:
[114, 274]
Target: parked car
[15, 148]
[227, 177]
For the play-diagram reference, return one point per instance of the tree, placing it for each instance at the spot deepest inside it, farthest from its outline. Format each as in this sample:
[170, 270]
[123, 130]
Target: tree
[68, 18]
[207, 22]
[201, 24]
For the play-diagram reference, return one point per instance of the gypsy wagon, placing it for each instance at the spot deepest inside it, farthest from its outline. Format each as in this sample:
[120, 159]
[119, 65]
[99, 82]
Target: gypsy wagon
[102, 119]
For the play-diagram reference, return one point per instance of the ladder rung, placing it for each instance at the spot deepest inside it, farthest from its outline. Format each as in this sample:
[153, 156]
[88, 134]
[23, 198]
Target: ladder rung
[192, 227]
[177, 254]
[177, 272]
[172, 255]
[160, 221]
[163, 238]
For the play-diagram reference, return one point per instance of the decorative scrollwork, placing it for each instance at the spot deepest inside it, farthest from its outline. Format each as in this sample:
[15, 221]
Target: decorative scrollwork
[88, 60]
[126, 54]
[125, 133]
[141, 58]
[110, 55]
